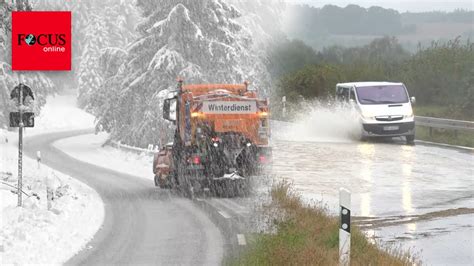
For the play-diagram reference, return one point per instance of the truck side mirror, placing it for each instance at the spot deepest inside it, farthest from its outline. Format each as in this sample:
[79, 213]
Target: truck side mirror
[169, 109]
[413, 100]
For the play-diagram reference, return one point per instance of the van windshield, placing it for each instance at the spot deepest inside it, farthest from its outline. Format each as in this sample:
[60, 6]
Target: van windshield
[382, 94]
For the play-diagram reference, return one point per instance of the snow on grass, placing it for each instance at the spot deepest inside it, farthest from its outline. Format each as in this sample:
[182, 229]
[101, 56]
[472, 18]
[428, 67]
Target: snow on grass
[32, 234]
[88, 148]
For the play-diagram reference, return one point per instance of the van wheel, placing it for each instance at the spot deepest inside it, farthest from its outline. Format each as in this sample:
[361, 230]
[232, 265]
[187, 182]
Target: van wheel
[157, 181]
[410, 139]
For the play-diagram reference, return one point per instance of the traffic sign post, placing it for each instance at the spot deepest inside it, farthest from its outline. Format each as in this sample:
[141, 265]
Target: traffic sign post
[20, 148]
[345, 227]
[17, 119]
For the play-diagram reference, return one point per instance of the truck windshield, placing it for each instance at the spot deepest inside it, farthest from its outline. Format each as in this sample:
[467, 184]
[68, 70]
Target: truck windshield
[382, 94]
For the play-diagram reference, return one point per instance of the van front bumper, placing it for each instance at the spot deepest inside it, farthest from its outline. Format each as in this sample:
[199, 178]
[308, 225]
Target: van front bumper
[388, 129]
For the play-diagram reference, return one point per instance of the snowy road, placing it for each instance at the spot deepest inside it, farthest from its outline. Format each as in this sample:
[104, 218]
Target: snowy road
[142, 225]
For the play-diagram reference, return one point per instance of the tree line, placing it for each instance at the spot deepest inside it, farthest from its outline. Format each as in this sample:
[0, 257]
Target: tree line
[356, 20]
[349, 20]
[457, 16]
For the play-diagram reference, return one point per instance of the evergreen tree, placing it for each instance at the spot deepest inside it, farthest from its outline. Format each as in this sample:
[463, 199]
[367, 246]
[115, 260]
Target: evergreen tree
[199, 41]
[108, 24]
[89, 78]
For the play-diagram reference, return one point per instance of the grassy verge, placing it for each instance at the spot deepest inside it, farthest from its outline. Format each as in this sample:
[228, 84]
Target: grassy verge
[306, 235]
[460, 138]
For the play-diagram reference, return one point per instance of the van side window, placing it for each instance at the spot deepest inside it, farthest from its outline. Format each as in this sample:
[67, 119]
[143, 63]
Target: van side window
[342, 94]
[352, 95]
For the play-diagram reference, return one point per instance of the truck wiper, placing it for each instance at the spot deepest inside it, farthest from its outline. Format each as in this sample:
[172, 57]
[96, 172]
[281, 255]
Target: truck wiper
[369, 100]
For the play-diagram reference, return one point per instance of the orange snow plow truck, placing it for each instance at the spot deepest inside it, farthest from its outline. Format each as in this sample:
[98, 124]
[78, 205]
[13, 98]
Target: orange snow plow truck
[221, 139]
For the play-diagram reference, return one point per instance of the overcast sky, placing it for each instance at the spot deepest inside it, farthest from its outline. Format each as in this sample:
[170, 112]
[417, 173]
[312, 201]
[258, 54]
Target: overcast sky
[400, 5]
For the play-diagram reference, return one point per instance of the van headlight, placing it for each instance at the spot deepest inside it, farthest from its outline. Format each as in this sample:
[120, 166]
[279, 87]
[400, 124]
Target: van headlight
[410, 115]
[367, 115]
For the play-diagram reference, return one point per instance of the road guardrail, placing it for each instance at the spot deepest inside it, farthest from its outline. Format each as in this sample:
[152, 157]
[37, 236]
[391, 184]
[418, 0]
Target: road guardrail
[433, 122]
[117, 144]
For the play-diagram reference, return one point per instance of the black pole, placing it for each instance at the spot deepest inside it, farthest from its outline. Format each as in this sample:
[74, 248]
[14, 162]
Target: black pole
[20, 145]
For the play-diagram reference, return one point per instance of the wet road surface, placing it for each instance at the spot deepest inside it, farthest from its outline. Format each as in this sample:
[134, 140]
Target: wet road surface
[420, 197]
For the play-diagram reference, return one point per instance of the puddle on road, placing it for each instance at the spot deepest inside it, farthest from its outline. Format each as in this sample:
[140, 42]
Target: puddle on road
[445, 241]
[385, 179]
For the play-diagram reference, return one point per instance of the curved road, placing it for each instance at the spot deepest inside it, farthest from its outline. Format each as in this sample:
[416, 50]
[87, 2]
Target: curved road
[142, 225]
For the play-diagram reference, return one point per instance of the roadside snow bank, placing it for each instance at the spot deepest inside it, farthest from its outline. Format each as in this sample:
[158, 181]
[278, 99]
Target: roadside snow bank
[88, 148]
[59, 114]
[33, 234]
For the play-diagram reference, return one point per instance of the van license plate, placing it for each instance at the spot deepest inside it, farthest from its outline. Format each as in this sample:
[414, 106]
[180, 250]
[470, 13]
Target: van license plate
[391, 128]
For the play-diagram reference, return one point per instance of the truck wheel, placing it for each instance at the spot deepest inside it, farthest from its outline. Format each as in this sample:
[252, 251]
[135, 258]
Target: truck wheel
[163, 182]
[159, 182]
[410, 139]
[173, 182]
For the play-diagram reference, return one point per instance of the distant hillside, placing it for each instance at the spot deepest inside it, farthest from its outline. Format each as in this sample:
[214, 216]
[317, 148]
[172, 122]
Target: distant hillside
[458, 16]
[354, 26]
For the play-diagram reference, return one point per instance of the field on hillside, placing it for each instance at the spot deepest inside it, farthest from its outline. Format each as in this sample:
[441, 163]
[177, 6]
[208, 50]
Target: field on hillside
[438, 30]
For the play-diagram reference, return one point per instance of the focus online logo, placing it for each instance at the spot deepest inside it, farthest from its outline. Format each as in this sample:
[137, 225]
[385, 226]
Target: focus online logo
[41, 40]
[50, 42]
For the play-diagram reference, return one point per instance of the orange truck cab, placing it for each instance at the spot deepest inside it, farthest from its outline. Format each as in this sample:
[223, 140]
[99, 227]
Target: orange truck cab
[220, 128]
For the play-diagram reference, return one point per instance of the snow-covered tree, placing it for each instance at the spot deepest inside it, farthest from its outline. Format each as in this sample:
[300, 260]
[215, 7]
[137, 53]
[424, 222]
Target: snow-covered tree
[199, 41]
[263, 18]
[39, 82]
[89, 78]
[108, 24]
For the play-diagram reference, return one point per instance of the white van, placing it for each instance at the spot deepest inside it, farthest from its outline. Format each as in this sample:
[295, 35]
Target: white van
[385, 108]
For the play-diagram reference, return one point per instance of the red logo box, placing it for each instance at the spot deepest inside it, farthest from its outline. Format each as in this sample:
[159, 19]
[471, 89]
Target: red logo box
[41, 40]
